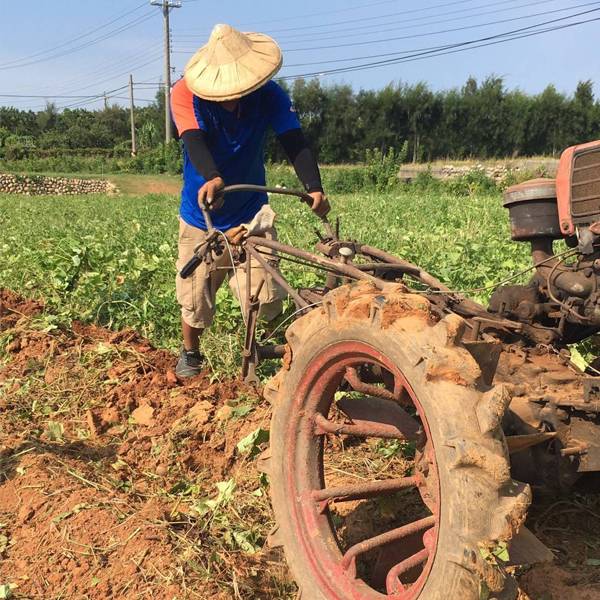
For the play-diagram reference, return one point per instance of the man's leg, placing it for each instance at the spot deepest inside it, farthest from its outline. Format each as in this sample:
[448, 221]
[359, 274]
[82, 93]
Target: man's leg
[196, 296]
[191, 336]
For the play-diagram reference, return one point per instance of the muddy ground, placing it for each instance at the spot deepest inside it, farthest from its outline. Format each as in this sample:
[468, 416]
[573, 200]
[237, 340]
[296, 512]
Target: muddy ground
[117, 480]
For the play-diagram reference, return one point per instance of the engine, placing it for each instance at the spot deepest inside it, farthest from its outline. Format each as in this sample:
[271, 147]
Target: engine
[563, 297]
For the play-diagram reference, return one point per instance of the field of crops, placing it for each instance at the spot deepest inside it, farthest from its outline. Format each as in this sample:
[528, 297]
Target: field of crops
[118, 480]
[110, 260]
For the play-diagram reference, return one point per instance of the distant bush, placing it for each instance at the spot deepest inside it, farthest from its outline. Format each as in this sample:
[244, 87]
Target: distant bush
[381, 169]
[343, 180]
[162, 159]
[471, 183]
[379, 173]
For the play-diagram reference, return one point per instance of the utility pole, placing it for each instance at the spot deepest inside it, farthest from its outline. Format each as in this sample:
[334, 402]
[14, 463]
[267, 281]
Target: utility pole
[131, 107]
[166, 5]
[105, 101]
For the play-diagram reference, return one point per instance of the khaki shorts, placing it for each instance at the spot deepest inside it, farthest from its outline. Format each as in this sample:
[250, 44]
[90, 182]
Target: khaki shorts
[197, 294]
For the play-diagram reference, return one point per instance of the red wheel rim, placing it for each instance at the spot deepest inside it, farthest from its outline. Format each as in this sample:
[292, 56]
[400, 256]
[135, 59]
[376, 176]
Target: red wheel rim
[333, 567]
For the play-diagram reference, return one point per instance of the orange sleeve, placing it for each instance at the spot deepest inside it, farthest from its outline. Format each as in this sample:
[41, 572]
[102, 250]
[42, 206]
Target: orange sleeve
[182, 107]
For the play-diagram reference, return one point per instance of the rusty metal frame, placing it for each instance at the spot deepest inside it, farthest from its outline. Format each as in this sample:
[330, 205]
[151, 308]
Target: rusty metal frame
[334, 265]
[254, 248]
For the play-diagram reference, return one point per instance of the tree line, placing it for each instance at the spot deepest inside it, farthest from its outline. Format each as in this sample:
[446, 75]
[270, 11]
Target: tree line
[482, 119]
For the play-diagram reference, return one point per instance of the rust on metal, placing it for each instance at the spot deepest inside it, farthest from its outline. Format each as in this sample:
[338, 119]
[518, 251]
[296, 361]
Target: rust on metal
[354, 380]
[362, 429]
[393, 583]
[385, 538]
[347, 270]
[517, 443]
[369, 409]
[361, 491]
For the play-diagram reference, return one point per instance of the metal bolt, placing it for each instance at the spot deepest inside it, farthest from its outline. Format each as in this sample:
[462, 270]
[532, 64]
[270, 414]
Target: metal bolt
[345, 253]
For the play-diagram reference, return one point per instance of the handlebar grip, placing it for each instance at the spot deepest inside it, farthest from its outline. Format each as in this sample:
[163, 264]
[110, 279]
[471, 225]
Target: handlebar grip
[190, 267]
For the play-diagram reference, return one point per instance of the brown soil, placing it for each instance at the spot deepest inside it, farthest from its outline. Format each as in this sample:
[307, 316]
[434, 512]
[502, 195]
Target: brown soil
[147, 184]
[105, 457]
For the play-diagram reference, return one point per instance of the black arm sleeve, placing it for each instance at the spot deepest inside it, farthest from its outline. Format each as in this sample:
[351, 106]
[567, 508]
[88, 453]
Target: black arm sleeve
[197, 149]
[300, 155]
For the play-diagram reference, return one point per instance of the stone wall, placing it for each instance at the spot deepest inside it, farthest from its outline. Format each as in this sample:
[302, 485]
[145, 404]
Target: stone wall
[36, 185]
[497, 171]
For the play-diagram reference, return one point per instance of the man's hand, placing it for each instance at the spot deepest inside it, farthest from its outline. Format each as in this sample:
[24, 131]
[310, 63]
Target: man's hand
[236, 235]
[320, 205]
[209, 194]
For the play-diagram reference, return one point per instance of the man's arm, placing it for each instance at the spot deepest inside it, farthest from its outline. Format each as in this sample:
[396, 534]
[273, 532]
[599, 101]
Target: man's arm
[303, 160]
[286, 125]
[203, 161]
[192, 131]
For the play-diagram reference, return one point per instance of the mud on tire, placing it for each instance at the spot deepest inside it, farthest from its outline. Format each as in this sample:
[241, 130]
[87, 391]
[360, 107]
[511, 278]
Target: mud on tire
[461, 460]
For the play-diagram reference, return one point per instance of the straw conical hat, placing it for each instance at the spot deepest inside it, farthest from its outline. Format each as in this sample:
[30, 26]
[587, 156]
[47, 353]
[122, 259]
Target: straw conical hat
[232, 64]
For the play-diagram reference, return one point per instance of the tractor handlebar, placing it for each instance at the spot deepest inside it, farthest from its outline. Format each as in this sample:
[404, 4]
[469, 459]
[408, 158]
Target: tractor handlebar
[243, 187]
[195, 261]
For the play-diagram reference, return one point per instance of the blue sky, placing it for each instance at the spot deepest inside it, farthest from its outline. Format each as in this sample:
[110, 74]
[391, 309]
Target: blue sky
[40, 40]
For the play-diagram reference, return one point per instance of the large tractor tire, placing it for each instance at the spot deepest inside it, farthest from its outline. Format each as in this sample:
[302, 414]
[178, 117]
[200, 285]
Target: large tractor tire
[364, 368]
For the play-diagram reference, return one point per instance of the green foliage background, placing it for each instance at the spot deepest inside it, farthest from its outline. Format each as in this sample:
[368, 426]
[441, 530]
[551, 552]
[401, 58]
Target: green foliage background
[110, 260]
[481, 119]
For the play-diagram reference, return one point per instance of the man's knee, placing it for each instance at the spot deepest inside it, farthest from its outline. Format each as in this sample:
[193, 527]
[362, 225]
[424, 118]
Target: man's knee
[196, 318]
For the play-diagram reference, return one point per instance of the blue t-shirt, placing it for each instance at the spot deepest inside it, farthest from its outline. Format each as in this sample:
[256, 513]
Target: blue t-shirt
[236, 140]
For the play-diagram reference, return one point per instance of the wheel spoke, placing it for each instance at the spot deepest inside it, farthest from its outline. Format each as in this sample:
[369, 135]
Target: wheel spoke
[361, 491]
[360, 429]
[370, 409]
[351, 376]
[392, 582]
[385, 538]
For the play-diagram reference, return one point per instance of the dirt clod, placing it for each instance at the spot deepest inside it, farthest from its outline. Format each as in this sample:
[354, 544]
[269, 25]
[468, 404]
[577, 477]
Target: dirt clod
[104, 453]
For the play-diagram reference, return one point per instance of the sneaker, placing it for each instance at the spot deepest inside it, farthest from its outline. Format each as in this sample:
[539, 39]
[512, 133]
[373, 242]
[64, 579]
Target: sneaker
[189, 364]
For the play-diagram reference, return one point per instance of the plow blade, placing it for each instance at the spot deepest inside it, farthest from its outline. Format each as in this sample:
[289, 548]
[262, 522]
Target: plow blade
[526, 549]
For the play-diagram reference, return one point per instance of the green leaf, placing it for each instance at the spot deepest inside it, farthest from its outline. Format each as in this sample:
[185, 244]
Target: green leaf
[593, 562]
[102, 348]
[76, 509]
[251, 443]
[484, 592]
[55, 431]
[3, 543]
[225, 494]
[501, 552]
[6, 590]
[242, 410]
[246, 542]
[578, 360]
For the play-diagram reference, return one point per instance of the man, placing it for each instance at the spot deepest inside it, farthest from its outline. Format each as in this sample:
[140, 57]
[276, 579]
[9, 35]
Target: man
[223, 107]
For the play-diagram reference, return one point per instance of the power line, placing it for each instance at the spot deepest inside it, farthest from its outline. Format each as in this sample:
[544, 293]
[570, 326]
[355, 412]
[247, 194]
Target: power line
[397, 14]
[341, 33]
[413, 20]
[94, 98]
[81, 36]
[40, 96]
[87, 44]
[419, 35]
[371, 4]
[453, 48]
[329, 12]
[425, 34]
[124, 70]
[104, 68]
